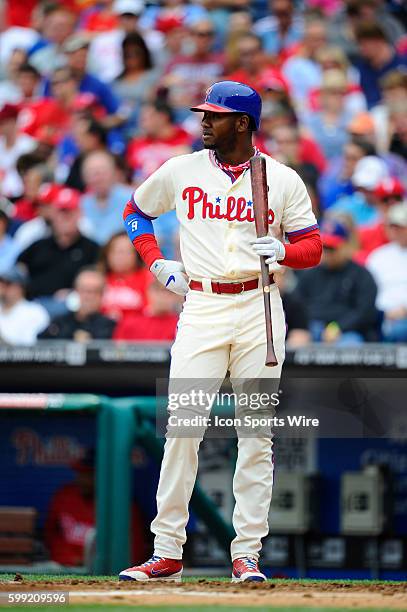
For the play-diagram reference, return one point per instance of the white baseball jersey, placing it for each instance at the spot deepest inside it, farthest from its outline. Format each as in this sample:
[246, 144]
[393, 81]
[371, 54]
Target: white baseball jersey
[216, 216]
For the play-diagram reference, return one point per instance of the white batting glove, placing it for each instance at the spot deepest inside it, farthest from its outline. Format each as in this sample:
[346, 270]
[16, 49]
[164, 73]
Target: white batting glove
[171, 274]
[269, 247]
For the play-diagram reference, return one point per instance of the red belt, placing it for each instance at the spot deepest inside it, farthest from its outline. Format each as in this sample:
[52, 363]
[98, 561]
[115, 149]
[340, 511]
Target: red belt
[219, 288]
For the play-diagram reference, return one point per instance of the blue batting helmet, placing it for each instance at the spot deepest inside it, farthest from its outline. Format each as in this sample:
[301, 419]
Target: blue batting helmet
[232, 97]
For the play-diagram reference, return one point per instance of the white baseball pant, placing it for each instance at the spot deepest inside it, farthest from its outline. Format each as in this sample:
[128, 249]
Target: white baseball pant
[217, 333]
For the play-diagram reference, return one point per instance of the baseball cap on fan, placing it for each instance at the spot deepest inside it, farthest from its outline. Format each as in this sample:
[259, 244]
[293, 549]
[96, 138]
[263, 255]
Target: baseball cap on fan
[273, 80]
[369, 172]
[334, 234]
[76, 42]
[47, 193]
[67, 199]
[128, 7]
[390, 187]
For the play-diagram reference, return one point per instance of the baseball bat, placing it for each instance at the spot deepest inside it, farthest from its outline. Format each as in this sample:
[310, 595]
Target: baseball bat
[258, 175]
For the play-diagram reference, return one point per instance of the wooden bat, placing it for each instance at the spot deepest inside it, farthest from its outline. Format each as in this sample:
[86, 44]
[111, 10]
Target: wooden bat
[261, 217]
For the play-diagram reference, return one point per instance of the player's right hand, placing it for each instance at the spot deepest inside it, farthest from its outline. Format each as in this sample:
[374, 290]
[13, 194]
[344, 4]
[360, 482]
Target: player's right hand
[171, 274]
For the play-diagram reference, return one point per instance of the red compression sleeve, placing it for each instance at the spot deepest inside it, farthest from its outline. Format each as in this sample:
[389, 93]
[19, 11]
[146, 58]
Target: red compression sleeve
[148, 249]
[145, 244]
[303, 251]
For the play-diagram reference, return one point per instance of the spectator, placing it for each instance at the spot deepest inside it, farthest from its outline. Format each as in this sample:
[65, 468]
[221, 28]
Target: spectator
[339, 294]
[250, 61]
[333, 58]
[39, 115]
[274, 88]
[363, 127]
[388, 265]
[73, 108]
[32, 172]
[281, 29]
[103, 203]
[28, 80]
[296, 318]
[70, 522]
[54, 262]
[105, 56]
[9, 86]
[188, 76]
[302, 70]
[126, 279]
[8, 247]
[12, 145]
[174, 32]
[328, 126]
[57, 26]
[368, 174]
[90, 136]
[40, 225]
[189, 12]
[252, 68]
[64, 90]
[283, 140]
[71, 519]
[99, 17]
[15, 38]
[394, 91]
[161, 138]
[336, 181]
[157, 322]
[388, 192]
[76, 50]
[398, 119]
[357, 12]
[135, 84]
[87, 322]
[20, 321]
[287, 146]
[376, 58]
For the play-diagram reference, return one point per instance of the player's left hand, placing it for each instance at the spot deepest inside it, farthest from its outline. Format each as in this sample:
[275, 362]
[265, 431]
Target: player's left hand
[269, 247]
[171, 274]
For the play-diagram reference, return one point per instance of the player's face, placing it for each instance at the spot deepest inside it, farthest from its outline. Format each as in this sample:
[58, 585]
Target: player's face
[219, 129]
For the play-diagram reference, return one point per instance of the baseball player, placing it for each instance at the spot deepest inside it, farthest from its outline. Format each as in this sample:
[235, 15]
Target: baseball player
[221, 327]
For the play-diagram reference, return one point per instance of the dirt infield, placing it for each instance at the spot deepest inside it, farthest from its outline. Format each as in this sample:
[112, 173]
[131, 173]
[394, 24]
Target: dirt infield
[271, 594]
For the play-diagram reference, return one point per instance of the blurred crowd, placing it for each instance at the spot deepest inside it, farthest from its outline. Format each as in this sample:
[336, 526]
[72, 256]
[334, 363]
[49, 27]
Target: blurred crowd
[95, 96]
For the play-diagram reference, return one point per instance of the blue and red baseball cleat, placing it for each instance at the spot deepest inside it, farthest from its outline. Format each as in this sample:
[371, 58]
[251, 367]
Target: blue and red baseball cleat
[156, 568]
[246, 569]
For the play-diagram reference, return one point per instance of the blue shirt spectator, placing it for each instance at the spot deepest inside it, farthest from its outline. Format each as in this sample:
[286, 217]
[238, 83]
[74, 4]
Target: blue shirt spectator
[336, 181]
[376, 58]
[328, 126]
[58, 24]
[369, 172]
[281, 29]
[91, 84]
[102, 206]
